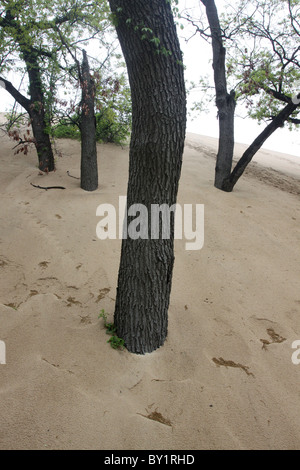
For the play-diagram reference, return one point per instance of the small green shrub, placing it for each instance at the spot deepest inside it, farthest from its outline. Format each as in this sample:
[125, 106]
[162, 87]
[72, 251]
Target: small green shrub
[66, 130]
[111, 127]
[114, 340]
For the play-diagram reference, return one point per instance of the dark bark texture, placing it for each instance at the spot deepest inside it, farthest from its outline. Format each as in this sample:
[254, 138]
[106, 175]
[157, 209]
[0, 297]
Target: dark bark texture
[89, 165]
[225, 101]
[35, 108]
[40, 127]
[158, 131]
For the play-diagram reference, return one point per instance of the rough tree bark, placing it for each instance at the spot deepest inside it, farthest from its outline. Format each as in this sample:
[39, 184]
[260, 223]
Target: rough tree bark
[225, 101]
[35, 108]
[150, 45]
[89, 165]
[37, 115]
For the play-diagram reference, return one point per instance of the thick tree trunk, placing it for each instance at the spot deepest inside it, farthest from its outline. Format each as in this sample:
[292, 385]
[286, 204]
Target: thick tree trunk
[89, 165]
[247, 156]
[150, 45]
[40, 127]
[36, 113]
[225, 101]
[42, 139]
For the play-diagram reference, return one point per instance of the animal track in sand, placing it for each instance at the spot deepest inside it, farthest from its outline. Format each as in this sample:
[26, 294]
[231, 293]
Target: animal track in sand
[275, 337]
[12, 305]
[223, 362]
[86, 320]
[157, 416]
[44, 264]
[102, 293]
[73, 301]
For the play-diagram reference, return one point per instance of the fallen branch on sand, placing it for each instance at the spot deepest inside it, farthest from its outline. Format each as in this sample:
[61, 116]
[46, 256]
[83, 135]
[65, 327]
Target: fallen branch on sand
[47, 187]
[71, 176]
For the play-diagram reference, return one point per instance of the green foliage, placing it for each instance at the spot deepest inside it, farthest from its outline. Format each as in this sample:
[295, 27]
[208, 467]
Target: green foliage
[15, 119]
[113, 109]
[109, 326]
[66, 129]
[114, 340]
[263, 61]
[40, 26]
[47, 36]
[144, 32]
[261, 38]
[110, 128]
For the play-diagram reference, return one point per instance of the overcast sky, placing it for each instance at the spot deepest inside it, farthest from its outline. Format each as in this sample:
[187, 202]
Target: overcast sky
[197, 59]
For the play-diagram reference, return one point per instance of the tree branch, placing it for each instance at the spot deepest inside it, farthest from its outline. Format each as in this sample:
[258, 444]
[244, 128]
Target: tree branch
[21, 99]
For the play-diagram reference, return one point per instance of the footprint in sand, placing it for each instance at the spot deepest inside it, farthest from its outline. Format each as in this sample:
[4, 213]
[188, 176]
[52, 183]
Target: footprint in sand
[156, 416]
[102, 293]
[275, 338]
[222, 362]
[44, 264]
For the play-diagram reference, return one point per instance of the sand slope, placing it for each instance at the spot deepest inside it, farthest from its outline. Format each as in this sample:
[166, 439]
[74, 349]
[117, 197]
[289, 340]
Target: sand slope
[224, 378]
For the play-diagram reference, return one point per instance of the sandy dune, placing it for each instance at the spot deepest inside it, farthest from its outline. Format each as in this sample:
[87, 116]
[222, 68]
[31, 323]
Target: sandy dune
[224, 378]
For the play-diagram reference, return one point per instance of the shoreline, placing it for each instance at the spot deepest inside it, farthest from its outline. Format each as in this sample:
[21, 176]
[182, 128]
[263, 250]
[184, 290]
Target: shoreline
[284, 162]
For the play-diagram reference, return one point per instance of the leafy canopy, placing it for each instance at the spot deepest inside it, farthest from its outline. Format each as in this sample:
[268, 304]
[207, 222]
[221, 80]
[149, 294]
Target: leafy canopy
[262, 42]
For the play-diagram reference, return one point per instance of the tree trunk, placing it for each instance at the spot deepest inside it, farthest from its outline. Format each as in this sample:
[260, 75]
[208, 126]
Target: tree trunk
[150, 45]
[225, 101]
[40, 127]
[247, 156]
[226, 108]
[42, 139]
[89, 165]
[37, 115]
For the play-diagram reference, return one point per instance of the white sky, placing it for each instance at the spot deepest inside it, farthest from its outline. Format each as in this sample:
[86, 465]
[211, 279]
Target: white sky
[197, 57]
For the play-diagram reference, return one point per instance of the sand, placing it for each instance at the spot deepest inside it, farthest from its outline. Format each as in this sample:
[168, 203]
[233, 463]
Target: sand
[224, 379]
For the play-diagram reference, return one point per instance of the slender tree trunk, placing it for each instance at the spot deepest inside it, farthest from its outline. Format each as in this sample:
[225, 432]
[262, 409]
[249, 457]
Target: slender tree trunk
[89, 165]
[247, 156]
[225, 101]
[154, 64]
[40, 127]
